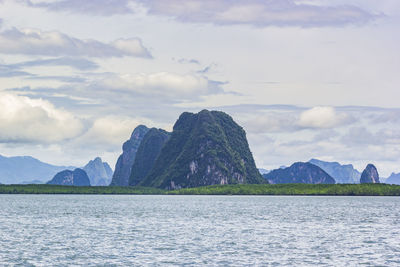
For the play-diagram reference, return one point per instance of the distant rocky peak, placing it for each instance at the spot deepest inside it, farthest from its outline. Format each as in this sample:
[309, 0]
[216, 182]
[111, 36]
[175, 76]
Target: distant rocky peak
[99, 172]
[205, 148]
[97, 160]
[370, 175]
[341, 173]
[126, 159]
[139, 132]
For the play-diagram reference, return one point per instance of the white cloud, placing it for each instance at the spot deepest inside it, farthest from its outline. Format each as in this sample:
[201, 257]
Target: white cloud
[270, 122]
[161, 84]
[322, 117]
[110, 131]
[54, 43]
[23, 119]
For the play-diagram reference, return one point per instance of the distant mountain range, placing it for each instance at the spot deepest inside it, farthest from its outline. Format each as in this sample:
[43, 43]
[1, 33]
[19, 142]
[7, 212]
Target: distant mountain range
[343, 174]
[394, 178]
[205, 148]
[299, 172]
[26, 169]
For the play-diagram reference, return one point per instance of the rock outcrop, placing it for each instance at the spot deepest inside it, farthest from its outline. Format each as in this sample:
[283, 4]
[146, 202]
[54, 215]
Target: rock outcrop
[147, 153]
[78, 177]
[343, 174]
[370, 175]
[125, 161]
[299, 172]
[206, 148]
[99, 172]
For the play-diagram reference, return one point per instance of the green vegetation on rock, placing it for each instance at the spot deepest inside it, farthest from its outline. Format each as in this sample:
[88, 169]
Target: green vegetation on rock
[204, 149]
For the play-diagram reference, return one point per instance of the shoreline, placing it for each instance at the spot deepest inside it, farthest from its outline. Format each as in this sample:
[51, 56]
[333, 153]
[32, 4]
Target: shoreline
[243, 189]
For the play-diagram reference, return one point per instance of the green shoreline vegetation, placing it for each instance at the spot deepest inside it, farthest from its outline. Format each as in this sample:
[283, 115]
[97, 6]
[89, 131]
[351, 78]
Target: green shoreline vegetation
[243, 189]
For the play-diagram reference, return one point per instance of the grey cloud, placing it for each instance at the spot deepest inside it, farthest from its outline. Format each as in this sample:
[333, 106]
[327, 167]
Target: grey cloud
[53, 43]
[390, 116]
[122, 92]
[76, 63]
[188, 61]
[325, 135]
[259, 13]
[361, 136]
[207, 69]
[16, 69]
[97, 8]
[6, 71]
[66, 79]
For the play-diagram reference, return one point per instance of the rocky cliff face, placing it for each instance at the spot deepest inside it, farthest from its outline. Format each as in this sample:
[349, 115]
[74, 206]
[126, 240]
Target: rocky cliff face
[343, 174]
[147, 153]
[78, 177]
[206, 148]
[99, 172]
[125, 161]
[370, 175]
[299, 172]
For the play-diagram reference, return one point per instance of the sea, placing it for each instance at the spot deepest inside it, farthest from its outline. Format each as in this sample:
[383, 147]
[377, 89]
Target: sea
[128, 230]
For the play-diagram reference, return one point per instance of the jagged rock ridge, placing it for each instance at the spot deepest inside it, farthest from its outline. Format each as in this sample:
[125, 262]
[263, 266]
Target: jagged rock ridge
[147, 153]
[343, 174]
[78, 177]
[125, 161]
[99, 172]
[299, 172]
[370, 175]
[204, 149]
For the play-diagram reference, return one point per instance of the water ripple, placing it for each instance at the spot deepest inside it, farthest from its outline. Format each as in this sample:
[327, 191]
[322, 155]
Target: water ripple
[60, 230]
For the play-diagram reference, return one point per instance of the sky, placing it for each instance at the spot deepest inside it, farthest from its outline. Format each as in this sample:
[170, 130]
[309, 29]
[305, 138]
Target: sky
[305, 79]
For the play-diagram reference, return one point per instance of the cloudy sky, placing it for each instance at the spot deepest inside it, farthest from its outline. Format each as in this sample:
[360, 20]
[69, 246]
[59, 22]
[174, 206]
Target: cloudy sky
[305, 78]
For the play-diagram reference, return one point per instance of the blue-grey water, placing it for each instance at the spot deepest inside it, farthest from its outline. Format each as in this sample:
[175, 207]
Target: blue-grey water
[94, 230]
